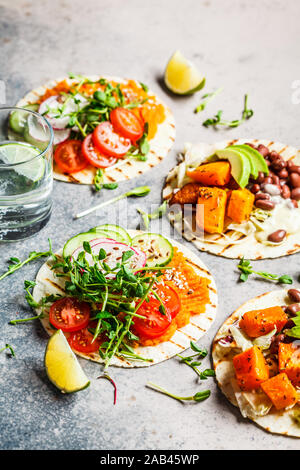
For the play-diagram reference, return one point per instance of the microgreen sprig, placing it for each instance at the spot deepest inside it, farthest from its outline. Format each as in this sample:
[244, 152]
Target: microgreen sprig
[246, 270]
[10, 348]
[16, 264]
[192, 361]
[218, 121]
[98, 182]
[206, 99]
[140, 191]
[199, 396]
[156, 214]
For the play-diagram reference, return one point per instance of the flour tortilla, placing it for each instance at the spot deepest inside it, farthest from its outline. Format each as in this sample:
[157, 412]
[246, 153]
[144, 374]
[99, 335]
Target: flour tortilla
[47, 283]
[279, 422]
[124, 169]
[247, 247]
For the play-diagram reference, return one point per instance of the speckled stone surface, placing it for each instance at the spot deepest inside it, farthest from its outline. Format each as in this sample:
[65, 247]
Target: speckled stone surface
[246, 47]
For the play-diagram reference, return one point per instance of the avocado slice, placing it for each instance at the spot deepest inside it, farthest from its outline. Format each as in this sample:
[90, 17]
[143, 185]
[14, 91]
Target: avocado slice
[257, 161]
[240, 164]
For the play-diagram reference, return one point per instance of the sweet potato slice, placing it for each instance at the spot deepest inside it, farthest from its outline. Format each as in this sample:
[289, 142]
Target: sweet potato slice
[211, 208]
[250, 369]
[289, 361]
[260, 322]
[280, 391]
[211, 174]
[188, 194]
[240, 205]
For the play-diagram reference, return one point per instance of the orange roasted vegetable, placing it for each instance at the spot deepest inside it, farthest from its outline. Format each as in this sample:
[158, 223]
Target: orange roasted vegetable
[240, 205]
[211, 174]
[250, 369]
[188, 194]
[289, 361]
[260, 322]
[210, 211]
[280, 391]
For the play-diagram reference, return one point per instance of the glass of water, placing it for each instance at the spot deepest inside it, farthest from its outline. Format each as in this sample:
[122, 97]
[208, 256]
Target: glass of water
[26, 146]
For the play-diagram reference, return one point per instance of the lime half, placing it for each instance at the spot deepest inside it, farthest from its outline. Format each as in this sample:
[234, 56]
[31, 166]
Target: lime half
[62, 366]
[181, 76]
[15, 153]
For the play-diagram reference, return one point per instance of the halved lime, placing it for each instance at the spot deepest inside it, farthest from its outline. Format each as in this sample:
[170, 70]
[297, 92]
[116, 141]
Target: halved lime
[15, 153]
[62, 366]
[182, 77]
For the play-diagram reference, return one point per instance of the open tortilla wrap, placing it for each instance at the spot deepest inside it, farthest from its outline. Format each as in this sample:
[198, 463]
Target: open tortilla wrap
[126, 168]
[47, 283]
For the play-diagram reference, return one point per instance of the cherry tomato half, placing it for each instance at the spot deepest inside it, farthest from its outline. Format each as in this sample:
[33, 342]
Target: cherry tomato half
[94, 156]
[127, 123]
[69, 157]
[155, 323]
[69, 314]
[110, 142]
[81, 341]
[170, 299]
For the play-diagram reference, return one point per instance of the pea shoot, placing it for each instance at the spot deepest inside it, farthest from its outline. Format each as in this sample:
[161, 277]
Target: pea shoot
[246, 270]
[193, 361]
[197, 397]
[206, 99]
[140, 191]
[218, 121]
[159, 212]
[16, 264]
[9, 348]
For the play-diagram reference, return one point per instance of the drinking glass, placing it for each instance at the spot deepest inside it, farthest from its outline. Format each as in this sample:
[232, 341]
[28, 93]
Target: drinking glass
[26, 147]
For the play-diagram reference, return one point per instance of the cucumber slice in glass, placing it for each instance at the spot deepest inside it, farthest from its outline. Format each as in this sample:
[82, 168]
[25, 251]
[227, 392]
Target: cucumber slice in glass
[114, 231]
[158, 249]
[17, 119]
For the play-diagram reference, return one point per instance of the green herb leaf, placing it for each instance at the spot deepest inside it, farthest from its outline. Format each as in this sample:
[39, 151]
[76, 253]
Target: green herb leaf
[246, 270]
[206, 99]
[218, 121]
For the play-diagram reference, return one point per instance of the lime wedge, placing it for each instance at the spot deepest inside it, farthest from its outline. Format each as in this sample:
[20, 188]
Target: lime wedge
[62, 366]
[15, 153]
[182, 77]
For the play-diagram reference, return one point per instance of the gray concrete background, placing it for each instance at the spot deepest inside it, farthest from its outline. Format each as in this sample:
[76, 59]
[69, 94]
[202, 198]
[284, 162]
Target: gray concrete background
[246, 47]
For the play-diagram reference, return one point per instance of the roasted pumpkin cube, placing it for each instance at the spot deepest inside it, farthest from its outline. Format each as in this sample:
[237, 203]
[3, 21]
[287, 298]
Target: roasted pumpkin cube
[260, 322]
[280, 391]
[250, 369]
[211, 174]
[210, 211]
[240, 205]
[289, 361]
[188, 194]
